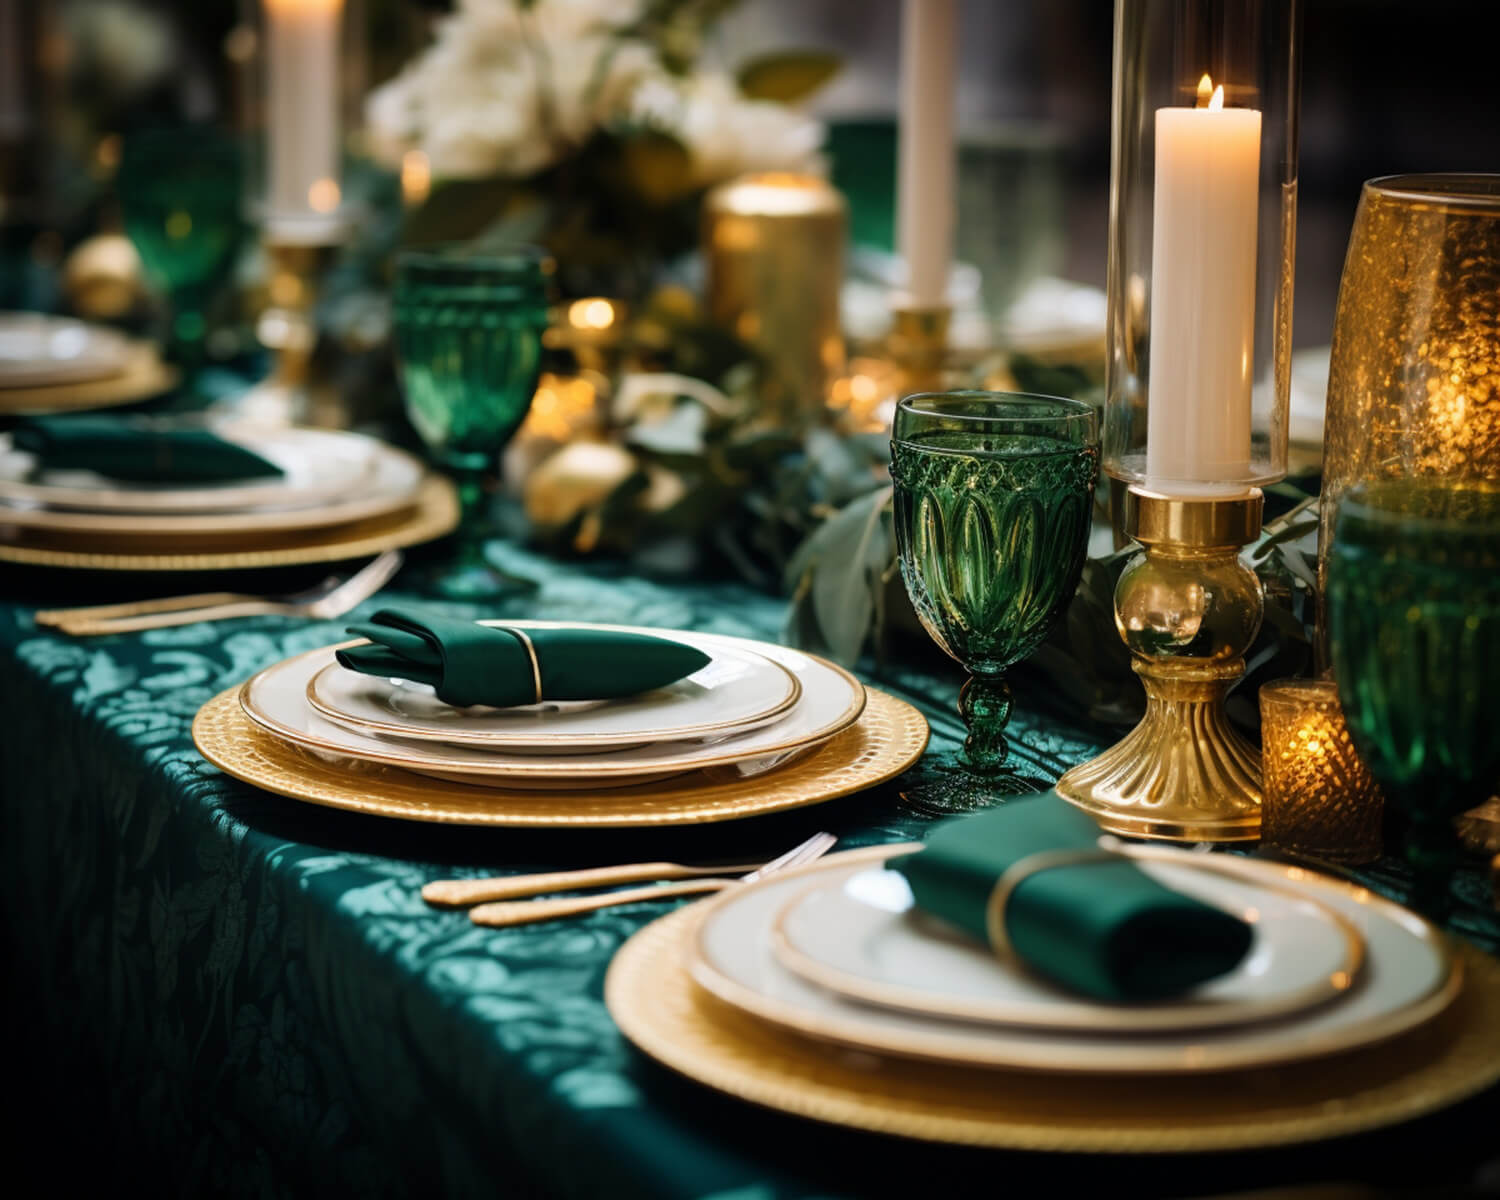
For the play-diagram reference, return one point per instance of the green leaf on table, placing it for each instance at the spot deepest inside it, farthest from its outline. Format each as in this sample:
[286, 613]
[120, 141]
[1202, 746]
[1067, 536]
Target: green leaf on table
[842, 565]
[788, 76]
[680, 434]
[656, 165]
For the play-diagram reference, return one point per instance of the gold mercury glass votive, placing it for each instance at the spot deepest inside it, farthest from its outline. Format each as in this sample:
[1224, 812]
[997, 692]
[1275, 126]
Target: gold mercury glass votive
[1319, 800]
[773, 249]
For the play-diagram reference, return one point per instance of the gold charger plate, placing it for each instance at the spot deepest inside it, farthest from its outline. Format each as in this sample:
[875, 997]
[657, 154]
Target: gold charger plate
[887, 739]
[433, 513]
[144, 376]
[659, 1008]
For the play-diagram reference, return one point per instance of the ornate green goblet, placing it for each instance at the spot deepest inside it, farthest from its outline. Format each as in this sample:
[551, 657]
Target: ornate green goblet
[1414, 621]
[994, 498]
[180, 199]
[468, 329]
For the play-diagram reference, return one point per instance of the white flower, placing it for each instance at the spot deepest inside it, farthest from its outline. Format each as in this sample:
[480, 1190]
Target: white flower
[725, 132]
[511, 91]
[502, 91]
[125, 47]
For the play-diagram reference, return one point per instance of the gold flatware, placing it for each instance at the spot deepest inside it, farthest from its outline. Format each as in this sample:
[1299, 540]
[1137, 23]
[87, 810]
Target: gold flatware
[332, 598]
[524, 912]
[463, 893]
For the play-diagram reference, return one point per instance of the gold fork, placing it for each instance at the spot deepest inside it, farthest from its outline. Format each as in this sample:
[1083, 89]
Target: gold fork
[523, 912]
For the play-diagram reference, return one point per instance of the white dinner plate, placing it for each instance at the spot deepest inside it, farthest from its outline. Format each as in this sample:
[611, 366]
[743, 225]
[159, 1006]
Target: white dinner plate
[37, 350]
[1409, 977]
[393, 480]
[737, 691]
[317, 465]
[859, 934]
[831, 700]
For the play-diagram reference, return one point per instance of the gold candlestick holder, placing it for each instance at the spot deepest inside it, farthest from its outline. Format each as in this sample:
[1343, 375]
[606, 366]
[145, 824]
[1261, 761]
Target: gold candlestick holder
[918, 344]
[292, 394]
[1188, 609]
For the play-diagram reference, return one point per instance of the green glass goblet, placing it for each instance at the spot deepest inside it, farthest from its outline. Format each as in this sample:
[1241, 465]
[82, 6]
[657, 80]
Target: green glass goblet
[468, 332]
[180, 199]
[1414, 622]
[993, 499]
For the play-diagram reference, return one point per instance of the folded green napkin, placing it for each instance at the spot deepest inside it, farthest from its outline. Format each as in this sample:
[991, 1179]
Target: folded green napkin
[142, 453]
[483, 664]
[1105, 929]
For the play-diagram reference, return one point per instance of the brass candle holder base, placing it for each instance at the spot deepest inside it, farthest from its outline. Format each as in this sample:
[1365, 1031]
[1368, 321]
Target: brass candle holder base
[918, 345]
[1188, 609]
[292, 394]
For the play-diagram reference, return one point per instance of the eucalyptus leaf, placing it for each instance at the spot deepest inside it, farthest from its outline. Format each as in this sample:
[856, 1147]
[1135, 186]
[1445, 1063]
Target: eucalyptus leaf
[657, 165]
[788, 76]
[846, 561]
[680, 433]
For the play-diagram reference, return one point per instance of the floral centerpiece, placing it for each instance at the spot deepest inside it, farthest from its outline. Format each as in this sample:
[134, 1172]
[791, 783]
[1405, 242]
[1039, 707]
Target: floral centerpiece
[588, 125]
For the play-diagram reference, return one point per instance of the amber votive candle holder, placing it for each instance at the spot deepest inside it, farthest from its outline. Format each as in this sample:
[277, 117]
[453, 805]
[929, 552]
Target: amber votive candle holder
[1319, 800]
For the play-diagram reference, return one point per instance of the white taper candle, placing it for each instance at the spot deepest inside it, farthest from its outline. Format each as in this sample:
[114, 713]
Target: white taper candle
[1202, 297]
[926, 147]
[302, 109]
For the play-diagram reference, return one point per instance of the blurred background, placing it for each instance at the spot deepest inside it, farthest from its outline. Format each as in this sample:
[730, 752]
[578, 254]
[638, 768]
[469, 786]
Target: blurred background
[1388, 86]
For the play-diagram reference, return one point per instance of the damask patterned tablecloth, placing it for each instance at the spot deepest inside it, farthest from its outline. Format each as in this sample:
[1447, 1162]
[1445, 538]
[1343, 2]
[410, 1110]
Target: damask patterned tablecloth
[225, 991]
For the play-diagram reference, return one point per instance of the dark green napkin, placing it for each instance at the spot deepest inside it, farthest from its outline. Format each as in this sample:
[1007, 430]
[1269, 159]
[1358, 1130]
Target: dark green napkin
[141, 453]
[1105, 929]
[470, 663]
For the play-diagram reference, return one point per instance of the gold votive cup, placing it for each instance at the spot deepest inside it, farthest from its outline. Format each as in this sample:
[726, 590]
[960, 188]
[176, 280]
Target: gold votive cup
[773, 249]
[1319, 800]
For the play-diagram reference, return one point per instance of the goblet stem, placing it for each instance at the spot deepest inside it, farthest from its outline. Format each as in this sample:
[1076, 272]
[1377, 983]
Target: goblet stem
[472, 576]
[1431, 851]
[984, 704]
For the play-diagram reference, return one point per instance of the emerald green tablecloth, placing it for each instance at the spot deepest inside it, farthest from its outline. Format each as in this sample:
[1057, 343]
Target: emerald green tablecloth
[228, 992]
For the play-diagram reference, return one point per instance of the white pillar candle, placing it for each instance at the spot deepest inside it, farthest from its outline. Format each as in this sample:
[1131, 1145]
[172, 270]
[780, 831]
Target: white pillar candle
[925, 152]
[1203, 297]
[302, 110]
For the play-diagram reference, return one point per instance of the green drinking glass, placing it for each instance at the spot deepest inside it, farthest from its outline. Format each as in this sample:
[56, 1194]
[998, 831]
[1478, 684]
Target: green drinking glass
[994, 498]
[180, 198]
[1414, 624]
[468, 332]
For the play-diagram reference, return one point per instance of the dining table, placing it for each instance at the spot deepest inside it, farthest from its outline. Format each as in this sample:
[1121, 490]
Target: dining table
[212, 989]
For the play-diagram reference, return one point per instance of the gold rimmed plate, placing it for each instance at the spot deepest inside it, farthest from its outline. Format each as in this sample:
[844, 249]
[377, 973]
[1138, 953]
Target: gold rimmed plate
[888, 737]
[666, 1015]
[433, 513]
[143, 376]
[391, 488]
[831, 700]
[317, 465]
[858, 934]
[737, 691]
[42, 350]
[1410, 976]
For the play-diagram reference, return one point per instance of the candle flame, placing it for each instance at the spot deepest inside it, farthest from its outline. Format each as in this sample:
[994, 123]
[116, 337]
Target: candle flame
[1205, 90]
[1217, 103]
[323, 196]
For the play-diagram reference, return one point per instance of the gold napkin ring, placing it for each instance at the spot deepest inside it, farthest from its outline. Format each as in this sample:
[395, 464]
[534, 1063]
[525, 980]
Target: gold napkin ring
[536, 666]
[1023, 869]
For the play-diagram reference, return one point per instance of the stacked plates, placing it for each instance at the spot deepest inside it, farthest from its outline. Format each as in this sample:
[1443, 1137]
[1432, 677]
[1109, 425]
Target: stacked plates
[340, 495]
[760, 727]
[836, 953]
[55, 364]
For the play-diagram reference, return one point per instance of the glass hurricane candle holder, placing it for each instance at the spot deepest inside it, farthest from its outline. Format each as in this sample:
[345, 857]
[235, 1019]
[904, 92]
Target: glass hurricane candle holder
[1203, 204]
[1203, 212]
[1320, 800]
